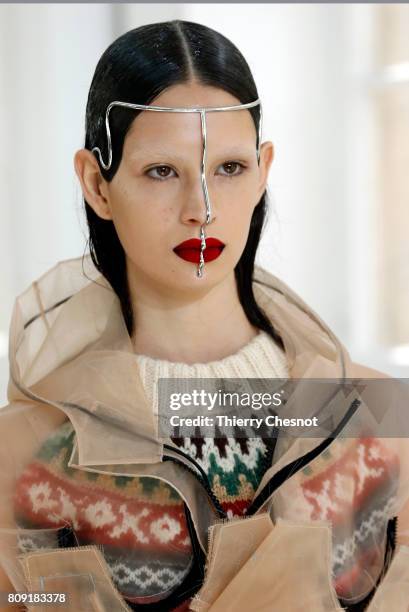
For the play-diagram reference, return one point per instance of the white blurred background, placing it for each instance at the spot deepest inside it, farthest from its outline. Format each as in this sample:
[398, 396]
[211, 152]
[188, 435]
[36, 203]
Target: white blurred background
[334, 82]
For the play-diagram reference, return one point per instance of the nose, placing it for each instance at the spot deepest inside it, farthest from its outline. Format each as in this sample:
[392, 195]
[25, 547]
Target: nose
[193, 210]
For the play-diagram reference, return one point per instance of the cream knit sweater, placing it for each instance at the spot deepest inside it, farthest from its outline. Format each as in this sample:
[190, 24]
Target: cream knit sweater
[259, 358]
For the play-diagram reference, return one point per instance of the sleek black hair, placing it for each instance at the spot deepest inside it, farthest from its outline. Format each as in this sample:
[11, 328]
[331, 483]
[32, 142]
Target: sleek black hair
[136, 68]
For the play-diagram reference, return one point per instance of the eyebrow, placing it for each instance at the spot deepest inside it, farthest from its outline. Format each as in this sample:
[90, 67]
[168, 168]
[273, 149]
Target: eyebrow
[236, 151]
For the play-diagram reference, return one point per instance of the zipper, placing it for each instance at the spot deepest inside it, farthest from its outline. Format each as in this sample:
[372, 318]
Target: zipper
[391, 541]
[279, 477]
[394, 530]
[390, 546]
[201, 477]
[298, 464]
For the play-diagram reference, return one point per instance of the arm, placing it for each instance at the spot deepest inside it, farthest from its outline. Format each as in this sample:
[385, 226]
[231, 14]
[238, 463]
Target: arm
[23, 427]
[402, 444]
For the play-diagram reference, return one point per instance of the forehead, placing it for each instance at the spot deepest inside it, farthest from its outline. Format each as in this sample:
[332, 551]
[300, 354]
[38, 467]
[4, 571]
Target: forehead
[182, 130]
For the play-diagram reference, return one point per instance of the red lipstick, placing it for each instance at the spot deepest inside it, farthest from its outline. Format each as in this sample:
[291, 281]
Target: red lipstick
[189, 250]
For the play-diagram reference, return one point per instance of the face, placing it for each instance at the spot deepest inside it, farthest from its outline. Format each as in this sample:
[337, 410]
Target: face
[156, 201]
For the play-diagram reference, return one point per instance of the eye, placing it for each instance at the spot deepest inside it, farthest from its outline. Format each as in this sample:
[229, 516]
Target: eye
[163, 172]
[160, 173]
[231, 168]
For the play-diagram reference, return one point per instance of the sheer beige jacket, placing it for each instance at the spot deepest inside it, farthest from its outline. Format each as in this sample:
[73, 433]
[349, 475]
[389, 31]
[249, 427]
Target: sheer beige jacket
[71, 358]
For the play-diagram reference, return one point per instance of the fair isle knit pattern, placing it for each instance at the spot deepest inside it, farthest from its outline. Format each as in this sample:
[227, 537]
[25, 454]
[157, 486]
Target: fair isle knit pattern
[358, 477]
[234, 466]
[139, 522]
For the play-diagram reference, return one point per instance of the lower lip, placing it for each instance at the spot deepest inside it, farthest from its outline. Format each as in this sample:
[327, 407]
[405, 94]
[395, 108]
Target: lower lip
[193, 255]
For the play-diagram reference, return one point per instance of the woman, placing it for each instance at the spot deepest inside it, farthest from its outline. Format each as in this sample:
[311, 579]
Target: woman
[98, 505]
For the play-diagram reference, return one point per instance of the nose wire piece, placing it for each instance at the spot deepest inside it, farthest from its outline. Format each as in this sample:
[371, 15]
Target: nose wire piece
[199, 272]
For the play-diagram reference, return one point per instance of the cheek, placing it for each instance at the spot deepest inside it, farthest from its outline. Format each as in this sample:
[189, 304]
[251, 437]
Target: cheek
[240, 192]
[238, 203]
[141, 224]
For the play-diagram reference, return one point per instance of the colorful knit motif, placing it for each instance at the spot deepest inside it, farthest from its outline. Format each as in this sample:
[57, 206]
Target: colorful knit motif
[233, 466]
[353, 482]
[139, 522]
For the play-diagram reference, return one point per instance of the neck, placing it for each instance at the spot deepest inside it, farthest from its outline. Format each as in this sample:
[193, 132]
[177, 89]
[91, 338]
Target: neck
[189, 328]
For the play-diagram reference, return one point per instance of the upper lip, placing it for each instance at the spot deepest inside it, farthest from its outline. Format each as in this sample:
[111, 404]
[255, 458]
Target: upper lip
[194, 243]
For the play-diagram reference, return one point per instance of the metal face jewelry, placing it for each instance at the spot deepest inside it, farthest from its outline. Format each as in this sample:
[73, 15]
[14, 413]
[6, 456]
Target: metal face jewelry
[203, 111]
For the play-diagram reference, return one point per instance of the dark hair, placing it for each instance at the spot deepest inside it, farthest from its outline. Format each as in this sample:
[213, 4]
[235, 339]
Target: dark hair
[136, 68]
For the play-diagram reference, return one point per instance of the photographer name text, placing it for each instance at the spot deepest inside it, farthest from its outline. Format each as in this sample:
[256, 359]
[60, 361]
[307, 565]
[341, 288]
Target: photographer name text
[235, 421]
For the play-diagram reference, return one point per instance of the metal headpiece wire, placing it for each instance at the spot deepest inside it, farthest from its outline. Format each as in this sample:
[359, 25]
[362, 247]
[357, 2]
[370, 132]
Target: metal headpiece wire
[203, 111]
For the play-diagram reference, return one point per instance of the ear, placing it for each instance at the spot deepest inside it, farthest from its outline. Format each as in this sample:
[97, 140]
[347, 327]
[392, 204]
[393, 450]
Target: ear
[94, 186]
[266, 159]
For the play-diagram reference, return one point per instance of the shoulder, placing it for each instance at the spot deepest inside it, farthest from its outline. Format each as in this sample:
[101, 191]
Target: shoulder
[360, 370]
[24, 426]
